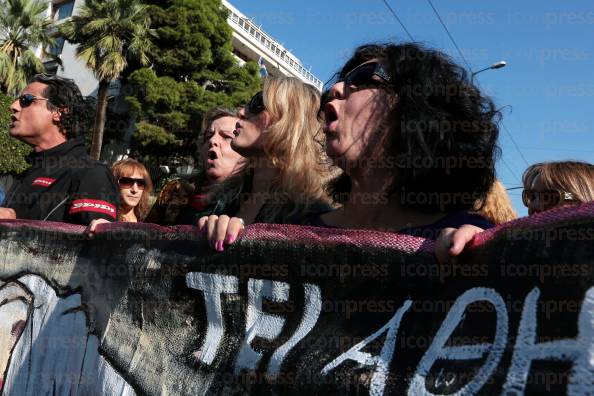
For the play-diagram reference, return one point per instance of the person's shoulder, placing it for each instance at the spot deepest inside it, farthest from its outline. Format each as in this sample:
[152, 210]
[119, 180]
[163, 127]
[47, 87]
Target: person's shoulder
[93, 175]
[312, 215]
[450, 220]
[90, 168]
[458, 219]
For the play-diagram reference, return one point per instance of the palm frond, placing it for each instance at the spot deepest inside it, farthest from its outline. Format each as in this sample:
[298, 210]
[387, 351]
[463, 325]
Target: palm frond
[109, 31]
[24, 26]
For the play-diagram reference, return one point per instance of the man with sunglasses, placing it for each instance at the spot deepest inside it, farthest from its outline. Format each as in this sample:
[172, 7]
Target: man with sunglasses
[63, 183]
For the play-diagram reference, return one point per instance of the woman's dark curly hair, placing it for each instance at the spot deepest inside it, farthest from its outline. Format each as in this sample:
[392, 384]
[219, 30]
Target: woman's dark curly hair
[442, 131]
[64, 95]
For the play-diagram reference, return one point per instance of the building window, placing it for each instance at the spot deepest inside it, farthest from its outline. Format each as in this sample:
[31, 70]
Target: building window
[63, 10]
[241, 22]
[58, 46]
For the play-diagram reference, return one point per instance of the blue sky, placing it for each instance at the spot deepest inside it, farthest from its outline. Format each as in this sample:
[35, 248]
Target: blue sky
[547, 88]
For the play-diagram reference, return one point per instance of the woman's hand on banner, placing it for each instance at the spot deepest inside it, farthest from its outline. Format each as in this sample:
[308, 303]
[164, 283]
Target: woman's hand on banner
[7, 214]
[220, 230]
[451, 241]
[90, 230]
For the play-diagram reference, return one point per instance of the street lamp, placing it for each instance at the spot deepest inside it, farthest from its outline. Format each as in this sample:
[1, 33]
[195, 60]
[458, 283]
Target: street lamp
[494, 66]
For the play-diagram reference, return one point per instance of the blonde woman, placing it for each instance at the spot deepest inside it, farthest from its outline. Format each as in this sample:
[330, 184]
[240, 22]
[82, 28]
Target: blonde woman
[551, 184]
[547, 185]
[277, 131]
[135, 187]
[498, 207]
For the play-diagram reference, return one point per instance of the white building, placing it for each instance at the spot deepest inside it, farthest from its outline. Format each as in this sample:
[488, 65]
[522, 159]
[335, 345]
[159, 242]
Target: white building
[59, 11]
[250, 42]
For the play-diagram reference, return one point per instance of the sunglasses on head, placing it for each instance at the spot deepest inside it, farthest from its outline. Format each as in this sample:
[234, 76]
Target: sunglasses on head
[25, 100]
[548, 199]
[256, 104]
[128, 182]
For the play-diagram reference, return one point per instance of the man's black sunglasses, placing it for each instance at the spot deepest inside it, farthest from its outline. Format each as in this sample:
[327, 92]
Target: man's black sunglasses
[25, 100]
[256, 104]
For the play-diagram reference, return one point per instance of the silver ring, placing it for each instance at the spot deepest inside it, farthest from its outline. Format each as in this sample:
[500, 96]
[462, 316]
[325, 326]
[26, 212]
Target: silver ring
[241, 221]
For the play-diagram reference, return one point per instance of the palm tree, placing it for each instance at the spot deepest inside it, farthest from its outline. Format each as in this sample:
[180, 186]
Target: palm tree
[108, 34]
[24, 27]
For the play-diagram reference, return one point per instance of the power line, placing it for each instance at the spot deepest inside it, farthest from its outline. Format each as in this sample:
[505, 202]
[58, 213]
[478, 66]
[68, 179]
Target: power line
[511, 170]
[514, 142]
[450, 35]
[557, 149]
[399, 21]
[469, 68]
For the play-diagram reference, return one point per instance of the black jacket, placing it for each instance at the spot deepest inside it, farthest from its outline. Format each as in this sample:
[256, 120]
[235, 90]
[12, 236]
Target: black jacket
[64, 184]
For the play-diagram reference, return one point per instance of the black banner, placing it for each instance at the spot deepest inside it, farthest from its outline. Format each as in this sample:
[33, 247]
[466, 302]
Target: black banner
[297, 310]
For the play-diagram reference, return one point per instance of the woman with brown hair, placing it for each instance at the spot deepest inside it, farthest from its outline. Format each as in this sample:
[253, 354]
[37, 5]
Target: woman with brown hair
[184, 201]
[135, 187]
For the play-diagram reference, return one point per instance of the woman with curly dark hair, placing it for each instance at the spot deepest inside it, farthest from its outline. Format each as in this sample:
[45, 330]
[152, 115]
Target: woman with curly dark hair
[415, 138]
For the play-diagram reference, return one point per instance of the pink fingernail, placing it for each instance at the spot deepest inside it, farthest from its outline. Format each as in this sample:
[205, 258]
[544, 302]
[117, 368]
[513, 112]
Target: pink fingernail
[220, 246]
[230, 239]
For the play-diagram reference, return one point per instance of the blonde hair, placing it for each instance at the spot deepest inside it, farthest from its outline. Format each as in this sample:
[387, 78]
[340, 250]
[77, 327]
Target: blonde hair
[292, 142]
[574, 177]
[497, 207]
[127, 167]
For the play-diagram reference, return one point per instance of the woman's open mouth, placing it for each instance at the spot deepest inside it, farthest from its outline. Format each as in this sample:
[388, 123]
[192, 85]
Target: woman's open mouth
[330, 117]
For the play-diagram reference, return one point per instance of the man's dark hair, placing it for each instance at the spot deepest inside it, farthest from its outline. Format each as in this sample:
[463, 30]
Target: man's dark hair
[64, 95]
[441, 132]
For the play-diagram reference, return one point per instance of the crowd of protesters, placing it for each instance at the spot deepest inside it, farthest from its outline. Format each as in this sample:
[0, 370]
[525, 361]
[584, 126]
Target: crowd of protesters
[402, 141]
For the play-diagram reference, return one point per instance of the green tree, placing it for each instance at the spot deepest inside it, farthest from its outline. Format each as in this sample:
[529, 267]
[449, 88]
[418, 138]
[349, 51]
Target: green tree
[24, 27]
[193, 70]
[109, 33]
[12, 151]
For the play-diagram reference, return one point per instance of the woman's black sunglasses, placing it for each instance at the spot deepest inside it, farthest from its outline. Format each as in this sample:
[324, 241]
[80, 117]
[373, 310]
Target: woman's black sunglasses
[358, 78]
[25, 100]
[128, 182]
[256, 104]
[362, 76]
[548, 199]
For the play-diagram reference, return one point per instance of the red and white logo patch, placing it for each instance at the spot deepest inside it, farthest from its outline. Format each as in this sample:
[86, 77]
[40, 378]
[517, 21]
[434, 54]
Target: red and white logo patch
[43, 182]
[92, 205]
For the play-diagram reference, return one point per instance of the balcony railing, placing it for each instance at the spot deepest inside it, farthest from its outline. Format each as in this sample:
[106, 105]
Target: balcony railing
[273, 46]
